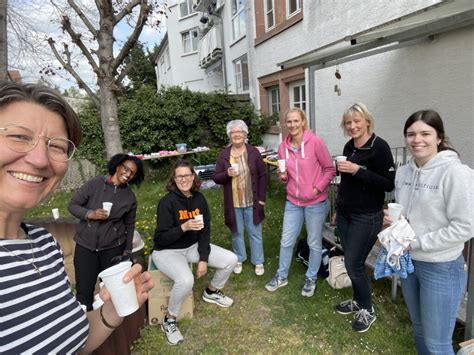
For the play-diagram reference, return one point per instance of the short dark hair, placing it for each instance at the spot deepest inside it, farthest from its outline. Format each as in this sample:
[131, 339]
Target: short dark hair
[171, 186]
[432, 119]
[118, 159]
[11, 92]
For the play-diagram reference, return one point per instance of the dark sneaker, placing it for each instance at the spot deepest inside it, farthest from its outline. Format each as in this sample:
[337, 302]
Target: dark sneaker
[363, 319]
[217, 298]
[170, 328]
[347, 307]
[275, 283]
[308, 288]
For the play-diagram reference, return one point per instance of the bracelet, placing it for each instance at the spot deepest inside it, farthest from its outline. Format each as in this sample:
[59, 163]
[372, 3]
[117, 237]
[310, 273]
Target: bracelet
[107, 324]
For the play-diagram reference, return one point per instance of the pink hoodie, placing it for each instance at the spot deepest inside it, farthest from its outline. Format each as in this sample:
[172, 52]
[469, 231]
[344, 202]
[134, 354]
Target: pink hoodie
[310, 167]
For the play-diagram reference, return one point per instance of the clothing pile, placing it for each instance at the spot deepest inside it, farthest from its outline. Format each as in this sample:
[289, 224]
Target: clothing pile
[393, 257]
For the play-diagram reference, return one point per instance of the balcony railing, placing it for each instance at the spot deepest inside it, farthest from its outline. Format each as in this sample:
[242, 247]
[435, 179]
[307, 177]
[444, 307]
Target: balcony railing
[210, 47]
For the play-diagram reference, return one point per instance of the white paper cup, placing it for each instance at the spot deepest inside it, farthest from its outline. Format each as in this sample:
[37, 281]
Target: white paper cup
[394, 211]
[55, 212]
[282, 165]
[107, 206]
[124, 296]
[235, 167]
[200, 218]
[341, 158]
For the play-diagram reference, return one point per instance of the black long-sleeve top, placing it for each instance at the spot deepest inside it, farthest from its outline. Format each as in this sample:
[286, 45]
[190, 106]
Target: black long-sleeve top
[173, 210]
[365, 190]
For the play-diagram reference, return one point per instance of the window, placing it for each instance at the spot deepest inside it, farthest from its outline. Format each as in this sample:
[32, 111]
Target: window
[292, 7]
[273, 95]
[186, 7]
[241, 69]
[298, 95]
[190, 41]
[269, 14]
[238, 19]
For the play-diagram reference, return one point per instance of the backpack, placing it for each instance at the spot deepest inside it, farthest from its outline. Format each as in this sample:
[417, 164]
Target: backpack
[338, 277]
[302, 255]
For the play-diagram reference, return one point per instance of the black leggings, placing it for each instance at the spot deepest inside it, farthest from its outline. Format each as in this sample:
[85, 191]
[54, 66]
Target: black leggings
[87, 266]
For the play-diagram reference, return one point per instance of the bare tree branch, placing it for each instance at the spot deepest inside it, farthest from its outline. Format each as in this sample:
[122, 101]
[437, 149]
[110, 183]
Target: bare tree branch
[76, 39]
[145, 10]
[67, 65]
[83, 17]
[125, 71]
[127, 10]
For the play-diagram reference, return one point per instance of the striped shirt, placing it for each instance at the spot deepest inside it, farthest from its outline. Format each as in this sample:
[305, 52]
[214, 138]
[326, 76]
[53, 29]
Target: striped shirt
[38, 312]
[242, 183]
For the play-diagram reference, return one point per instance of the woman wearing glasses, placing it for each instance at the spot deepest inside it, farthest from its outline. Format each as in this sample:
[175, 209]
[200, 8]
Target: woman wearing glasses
[38, 134]
[101, 235]
[241, 171]
[182, 236]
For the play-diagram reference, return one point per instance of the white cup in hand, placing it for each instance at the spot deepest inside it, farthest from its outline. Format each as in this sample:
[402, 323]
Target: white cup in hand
[124, 295]
[200, 218]
[235, 166]
[394, 211]
[282, 165]
[107, 206]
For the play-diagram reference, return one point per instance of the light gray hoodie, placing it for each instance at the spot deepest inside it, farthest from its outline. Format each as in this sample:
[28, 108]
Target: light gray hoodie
[437, 200]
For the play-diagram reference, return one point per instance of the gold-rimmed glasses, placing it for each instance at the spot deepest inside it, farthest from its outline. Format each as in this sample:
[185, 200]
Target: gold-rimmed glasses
[23, 140]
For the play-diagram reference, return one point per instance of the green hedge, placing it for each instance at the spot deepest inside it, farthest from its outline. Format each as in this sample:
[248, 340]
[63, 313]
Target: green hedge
[151, 121]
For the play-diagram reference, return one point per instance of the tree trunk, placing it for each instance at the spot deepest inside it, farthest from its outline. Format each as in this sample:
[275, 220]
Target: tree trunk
[3, 41]
[110, 123]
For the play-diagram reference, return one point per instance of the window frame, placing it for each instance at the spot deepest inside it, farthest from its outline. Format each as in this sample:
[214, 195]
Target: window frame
[189, 8]
[271, 103]
[299, 7]
[302, 102]
[238, 14]
[266, 12]
[240, 76]
[193, 39]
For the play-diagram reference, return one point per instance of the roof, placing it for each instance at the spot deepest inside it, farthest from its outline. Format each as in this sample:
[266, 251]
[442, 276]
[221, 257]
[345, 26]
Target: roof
[403, 31]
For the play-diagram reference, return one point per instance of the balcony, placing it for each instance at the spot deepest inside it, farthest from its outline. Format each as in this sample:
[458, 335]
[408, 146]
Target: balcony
[206, 5]
[210, 47]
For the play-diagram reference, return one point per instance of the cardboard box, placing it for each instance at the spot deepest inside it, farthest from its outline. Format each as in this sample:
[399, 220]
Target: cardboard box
[159, 298]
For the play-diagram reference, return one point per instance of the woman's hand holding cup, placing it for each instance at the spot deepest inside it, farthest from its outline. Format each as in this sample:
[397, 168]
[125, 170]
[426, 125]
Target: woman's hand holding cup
[192, 225]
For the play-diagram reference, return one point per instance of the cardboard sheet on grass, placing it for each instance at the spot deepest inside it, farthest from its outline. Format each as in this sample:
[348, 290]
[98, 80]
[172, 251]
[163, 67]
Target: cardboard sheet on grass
[159, 298]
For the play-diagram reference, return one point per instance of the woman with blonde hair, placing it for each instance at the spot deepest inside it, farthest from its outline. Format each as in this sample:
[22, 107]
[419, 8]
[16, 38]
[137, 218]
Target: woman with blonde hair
[309, 171]
[366, 175]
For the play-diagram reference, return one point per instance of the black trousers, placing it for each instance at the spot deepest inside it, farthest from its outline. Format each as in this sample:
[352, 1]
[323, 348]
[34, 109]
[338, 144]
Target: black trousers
[87, 266]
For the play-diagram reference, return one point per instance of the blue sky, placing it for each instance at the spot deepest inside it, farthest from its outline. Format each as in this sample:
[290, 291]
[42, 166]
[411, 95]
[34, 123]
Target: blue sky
[44, 23]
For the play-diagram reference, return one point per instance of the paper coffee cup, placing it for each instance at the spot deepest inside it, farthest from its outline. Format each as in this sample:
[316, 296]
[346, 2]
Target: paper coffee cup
[235, 167]
[124, 296]
[55, 212]
[394, 211]
[341, 158]
[107, 206]
[200, 218]
[282, 165]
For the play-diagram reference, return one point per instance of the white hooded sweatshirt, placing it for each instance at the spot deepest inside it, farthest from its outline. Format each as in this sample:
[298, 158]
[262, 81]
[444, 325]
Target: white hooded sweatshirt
[437, 200]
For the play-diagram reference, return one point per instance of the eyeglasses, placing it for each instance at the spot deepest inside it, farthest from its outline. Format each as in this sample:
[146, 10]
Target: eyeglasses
[23, 140]
[128, 170]
[183, 177]
[237, 132]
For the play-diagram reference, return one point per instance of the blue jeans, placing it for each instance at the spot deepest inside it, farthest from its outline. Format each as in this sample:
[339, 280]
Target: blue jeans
[294, 216]
[433, 294]
[358, 233]
[244, 218]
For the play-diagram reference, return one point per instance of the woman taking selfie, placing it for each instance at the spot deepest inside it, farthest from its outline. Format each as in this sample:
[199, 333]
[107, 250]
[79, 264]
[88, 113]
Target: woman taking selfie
[38, 135]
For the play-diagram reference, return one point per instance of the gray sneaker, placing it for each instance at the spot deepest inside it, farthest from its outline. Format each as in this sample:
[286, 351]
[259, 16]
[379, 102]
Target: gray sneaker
[170, 328]
[363, 319]
[217, 298]
[275, 283]
[308, 288]
[347, 307]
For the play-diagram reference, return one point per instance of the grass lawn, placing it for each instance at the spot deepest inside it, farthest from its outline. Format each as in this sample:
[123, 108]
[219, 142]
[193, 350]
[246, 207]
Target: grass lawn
[261, 321]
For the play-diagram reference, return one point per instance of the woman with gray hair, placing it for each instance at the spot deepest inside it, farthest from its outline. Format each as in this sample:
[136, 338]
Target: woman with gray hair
[241, 171]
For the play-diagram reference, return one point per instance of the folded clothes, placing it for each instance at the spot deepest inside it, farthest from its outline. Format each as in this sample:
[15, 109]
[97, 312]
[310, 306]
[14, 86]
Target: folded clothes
[401, 265]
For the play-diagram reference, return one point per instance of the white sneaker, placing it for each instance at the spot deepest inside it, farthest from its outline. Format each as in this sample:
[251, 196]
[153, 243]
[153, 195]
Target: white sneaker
[170, 328]
[238, 268]
[217, 298]
[259, 270]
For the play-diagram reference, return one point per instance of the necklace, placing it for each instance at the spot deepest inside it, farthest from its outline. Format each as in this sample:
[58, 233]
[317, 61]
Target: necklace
[32, 263]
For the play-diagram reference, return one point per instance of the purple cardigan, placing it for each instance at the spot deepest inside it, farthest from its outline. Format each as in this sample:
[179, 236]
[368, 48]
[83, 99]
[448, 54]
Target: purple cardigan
[258, 175]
